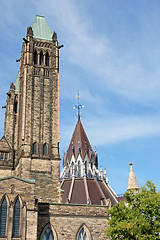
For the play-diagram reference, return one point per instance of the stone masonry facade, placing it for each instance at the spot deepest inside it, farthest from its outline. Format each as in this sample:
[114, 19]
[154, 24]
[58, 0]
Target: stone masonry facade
[30, 160]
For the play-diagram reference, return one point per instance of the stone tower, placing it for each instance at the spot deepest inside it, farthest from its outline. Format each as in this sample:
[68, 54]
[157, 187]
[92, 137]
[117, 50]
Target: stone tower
[32, 119]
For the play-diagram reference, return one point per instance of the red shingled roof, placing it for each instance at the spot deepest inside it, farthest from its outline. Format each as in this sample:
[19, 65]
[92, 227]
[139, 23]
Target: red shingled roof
[79, 143]
[97, 190]
[78, 193]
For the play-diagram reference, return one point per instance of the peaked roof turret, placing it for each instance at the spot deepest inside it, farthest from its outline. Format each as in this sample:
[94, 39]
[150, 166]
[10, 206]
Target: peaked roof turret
[132, 181]
[41, 29]
[79, 143]
[82, 181]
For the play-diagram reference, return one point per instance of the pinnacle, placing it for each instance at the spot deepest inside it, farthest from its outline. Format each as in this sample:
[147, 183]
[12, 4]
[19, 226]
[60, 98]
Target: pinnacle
[132, 181]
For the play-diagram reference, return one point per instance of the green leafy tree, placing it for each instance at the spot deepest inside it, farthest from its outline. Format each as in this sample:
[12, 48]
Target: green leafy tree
[138, 217]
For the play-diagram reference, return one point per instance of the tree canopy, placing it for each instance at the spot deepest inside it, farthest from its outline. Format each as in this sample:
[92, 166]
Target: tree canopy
[138, 217]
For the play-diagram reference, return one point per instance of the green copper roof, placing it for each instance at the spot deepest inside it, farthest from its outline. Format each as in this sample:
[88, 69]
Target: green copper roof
[41, 29]
[16, 83]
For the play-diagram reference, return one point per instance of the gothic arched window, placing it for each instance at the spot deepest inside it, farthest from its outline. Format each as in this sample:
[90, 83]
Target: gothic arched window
[41, 58]
[45, 149]
[3, 217]
[16, 218]
[82, 235]
[47, 59]
[35, 57]
[34, 148]
[48, 234]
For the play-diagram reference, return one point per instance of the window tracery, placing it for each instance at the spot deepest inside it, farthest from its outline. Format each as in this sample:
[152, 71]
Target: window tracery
[48, 235]
[82, 235]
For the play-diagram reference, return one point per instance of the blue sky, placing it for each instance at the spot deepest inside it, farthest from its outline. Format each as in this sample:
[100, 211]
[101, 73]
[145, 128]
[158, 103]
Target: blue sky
[111, 55]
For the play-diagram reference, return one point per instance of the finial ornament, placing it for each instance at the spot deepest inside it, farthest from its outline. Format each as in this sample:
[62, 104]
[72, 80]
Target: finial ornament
[78, 106]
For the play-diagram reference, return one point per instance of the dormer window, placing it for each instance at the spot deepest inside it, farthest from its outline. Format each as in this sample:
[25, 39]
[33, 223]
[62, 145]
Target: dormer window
[4, 156]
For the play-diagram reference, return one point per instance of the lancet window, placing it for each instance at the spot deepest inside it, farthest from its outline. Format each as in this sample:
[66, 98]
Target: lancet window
[3, 216]
[47, 59]
[16, 218]
[34, 148]
[41, 58]
[82, 235]
[44, 149]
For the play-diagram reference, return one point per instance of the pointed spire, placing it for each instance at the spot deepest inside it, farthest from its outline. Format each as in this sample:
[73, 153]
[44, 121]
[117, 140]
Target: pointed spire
[79, 142]
[132, 181]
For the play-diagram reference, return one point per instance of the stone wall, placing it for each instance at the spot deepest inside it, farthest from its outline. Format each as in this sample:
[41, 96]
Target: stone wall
[46, 174]
[12, 188]
[66, 220]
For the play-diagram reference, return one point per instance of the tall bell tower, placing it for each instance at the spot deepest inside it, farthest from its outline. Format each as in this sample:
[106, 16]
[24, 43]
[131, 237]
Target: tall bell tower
[38, 114]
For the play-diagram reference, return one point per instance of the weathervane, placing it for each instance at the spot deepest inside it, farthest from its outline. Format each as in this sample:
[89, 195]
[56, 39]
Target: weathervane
[78, 106]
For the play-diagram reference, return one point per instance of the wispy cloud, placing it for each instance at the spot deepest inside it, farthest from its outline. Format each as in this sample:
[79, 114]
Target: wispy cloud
[124, 73]
[121, 128]
[113, 129]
